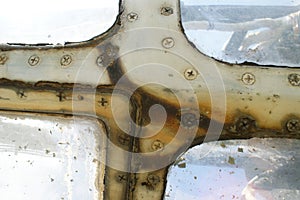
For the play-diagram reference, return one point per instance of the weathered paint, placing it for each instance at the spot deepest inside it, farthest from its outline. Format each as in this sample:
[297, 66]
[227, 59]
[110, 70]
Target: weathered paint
[258, 110]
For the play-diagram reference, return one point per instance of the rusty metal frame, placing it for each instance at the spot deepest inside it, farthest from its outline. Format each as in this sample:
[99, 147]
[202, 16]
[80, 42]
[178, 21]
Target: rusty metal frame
[80, 79]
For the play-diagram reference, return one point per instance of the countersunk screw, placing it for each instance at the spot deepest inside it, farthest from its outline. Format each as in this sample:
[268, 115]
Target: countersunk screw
[294, 79]
[248, 79]
[293, 125]
[33, 60]
[244, 124]
[190, 74]
[100, 61]
[157, 145]
[66, 60]
[124, 139]
[131, 17]
[189, 120]
[3, 59]
[21, 94]
[103, 102]
[153, 179]
[167, 11]
[168, 43]
[121, 177]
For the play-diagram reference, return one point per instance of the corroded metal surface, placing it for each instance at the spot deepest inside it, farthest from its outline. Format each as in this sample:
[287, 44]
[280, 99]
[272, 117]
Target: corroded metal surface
[123, 75]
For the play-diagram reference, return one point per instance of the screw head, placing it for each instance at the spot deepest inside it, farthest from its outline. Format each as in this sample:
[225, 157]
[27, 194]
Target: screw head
[166, 11]
[168, 43]
[189, 120]
[190, 74]
[121, 177]
[294, 79]
[153, 179]
[293, 125]
[124, 139]
[131, 17]
[157, 145]
[33, 60]
[21, 94]
[66, 60]
[100, 61]
[244, 125]
[3, 59]
[248, 79]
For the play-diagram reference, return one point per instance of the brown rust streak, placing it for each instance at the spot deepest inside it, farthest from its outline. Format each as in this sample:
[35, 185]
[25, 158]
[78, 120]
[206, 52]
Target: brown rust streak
[42, 98]
[146, 98]
[148, 190]
[40, 95]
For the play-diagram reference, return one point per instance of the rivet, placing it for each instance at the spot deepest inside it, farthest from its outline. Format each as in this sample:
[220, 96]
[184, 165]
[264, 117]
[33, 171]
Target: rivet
[167, 11]
[189, 120]
[33, 60]
[190, 74]
[168, 43]
[293, 125]
[294, 79]
[66, 60]
[3, 59]
[248, 79]
[157, 145]
[153, 179]
[131, 17]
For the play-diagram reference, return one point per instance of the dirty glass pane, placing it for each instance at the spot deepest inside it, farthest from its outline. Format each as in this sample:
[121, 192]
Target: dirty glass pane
[260, 169]
[55, 21]
[265, 32]
[54, 157]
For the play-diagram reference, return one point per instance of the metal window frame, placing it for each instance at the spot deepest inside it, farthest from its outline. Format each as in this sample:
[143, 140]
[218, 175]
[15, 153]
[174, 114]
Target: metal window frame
[81, 78]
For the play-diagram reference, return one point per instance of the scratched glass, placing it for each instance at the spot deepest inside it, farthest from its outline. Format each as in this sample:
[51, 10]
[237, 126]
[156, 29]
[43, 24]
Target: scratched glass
[55, 21]
[237, 31]
[50, 157]
[255, 169]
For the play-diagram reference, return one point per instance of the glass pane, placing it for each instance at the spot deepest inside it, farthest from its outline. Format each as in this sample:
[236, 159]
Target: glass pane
[265, 32]
[50, 158]
[260, 169]
[55, 21]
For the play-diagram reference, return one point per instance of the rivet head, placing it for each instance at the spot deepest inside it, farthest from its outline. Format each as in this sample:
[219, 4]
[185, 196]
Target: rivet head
[131, 17]
[33, 60]
[157, 145]
[168, 43]
[190, 74]
[294, 79]
[66, 60]
[248, 79]
[3, 59]
[167, 11]
[189, 120]
[293, 125]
